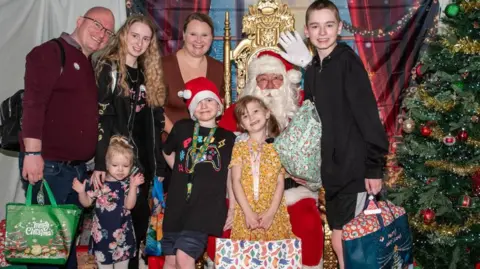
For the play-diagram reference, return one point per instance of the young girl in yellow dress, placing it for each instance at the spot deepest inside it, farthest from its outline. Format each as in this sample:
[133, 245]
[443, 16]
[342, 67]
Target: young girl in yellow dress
[258, 178]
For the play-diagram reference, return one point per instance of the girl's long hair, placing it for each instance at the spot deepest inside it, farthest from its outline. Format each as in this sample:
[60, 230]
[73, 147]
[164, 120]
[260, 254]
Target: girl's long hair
[116, 51]
[273, 128]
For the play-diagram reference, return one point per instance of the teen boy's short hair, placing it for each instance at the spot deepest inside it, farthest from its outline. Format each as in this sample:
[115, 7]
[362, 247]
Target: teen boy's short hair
[319, 5]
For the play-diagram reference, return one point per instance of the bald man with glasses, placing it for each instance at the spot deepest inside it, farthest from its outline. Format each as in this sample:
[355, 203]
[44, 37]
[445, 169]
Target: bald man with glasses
[60, 110]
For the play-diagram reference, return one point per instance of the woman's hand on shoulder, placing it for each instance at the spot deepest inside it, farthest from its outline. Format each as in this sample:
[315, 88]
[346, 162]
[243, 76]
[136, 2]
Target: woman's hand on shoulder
[97, 179]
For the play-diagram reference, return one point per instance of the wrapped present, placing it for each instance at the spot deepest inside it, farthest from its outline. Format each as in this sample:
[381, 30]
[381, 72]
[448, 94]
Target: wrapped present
[239, 254]
[85, 260]
[299, 146]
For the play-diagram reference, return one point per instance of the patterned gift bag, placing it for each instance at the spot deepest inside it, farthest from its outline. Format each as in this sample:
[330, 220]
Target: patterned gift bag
[378, 238]
[240, 254]
[154, 233]
[40, 234]
[298, 146]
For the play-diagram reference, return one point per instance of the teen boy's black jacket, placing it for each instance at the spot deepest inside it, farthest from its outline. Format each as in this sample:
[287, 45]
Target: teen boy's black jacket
[354, 143]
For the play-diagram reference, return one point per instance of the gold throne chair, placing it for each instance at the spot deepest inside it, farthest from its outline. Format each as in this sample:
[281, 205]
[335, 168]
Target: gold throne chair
[262, 27]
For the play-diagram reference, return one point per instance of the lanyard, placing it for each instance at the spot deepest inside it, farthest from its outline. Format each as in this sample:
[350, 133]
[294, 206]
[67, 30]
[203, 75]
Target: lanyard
[255, 162]
[197, 155]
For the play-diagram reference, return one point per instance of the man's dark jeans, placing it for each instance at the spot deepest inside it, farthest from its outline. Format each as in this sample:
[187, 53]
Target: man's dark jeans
[60, 178]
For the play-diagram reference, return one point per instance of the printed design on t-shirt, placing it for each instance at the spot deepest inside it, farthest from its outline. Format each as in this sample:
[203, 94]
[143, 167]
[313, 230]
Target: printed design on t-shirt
[142, 97]
[187, 158]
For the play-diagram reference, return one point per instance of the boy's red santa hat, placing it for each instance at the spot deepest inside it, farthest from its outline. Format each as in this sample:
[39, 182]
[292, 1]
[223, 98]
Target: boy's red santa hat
[199, 89]
[270, 62]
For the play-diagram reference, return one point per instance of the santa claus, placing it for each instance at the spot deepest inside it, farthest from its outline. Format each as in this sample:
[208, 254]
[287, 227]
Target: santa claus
[276, 82]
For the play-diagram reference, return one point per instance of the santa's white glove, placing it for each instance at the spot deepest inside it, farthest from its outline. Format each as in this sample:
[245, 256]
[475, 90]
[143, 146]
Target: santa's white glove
[296, 52]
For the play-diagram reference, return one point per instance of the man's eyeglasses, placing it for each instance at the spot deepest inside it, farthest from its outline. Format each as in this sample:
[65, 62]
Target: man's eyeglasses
[100, 27]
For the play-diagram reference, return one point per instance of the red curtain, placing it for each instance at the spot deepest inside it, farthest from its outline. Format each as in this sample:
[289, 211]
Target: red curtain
[170, 16]
[389, 59]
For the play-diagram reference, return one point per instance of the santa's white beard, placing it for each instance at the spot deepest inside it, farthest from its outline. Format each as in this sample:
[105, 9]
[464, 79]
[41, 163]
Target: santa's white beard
[280, 102]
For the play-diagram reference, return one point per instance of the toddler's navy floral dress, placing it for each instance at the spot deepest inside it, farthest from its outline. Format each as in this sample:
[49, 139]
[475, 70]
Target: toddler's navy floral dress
[113, 239]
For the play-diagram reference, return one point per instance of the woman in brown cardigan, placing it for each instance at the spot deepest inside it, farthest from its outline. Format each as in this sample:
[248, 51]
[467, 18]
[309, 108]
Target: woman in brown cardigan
[188, 63]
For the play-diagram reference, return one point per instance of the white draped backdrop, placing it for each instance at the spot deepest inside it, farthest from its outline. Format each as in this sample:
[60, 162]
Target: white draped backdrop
[25, 24]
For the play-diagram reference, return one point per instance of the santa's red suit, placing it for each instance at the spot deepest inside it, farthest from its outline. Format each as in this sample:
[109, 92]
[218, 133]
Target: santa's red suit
[301, 202]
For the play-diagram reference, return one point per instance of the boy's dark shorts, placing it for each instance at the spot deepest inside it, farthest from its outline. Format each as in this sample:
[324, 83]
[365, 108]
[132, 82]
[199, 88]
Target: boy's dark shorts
[191, 242]
[343, 207]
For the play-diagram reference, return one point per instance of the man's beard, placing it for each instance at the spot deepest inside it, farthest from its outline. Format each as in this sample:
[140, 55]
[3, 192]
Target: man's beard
[277, 101]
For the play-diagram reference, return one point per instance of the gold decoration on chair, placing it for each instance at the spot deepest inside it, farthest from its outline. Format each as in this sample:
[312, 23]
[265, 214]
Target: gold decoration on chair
[262, 26]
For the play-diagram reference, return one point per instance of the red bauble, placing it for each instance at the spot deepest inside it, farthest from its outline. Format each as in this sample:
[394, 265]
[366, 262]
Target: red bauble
[462, 135]
[428, 216]
[425, 130]
[449, 140]
[418, 70]
[431, 180]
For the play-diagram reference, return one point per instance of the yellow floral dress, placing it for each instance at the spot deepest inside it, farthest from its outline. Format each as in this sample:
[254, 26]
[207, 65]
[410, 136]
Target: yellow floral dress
[270, 168]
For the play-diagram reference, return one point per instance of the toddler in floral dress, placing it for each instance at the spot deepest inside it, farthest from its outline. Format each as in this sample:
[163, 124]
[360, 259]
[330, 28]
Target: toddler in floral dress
[113, 239]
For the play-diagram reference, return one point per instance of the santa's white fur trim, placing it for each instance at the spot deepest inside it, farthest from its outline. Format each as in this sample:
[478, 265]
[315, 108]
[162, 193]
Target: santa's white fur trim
[187, 94]
[266, 64]
[201, 96]
[294, 195]
[294, 76]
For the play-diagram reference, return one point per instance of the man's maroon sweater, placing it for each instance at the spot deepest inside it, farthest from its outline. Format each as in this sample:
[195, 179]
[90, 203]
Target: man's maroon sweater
[61, 110]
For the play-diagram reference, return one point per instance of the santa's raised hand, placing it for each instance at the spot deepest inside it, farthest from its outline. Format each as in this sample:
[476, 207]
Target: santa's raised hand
[296, 52]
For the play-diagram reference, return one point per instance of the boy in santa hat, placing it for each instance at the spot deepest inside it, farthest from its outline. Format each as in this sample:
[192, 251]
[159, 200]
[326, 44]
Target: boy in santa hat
[199, 153]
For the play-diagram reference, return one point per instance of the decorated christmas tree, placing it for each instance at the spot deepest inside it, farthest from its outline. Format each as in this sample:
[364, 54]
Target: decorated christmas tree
[439, 185]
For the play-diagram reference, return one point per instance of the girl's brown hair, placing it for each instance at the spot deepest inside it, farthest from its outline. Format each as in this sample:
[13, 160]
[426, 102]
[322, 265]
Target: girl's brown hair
[273, 128]
[116, 52]
[119, 145]
[197, 16]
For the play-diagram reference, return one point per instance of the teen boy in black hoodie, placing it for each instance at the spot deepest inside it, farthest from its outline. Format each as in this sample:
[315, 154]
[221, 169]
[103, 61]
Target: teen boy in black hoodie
[354, 143]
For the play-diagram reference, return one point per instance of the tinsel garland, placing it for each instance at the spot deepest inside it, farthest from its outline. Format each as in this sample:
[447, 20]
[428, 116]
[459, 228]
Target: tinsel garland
[443, 229]
[433, 103]
[464, 45]
[454, 168]
[470, 6]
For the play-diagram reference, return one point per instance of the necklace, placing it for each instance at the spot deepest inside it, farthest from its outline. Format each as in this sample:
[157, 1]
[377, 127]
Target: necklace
[255, 163]
[131, 78]
[197, 155]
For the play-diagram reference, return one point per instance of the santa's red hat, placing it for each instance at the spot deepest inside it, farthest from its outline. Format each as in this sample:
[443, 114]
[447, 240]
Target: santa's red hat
[271, 62]
[199, 89]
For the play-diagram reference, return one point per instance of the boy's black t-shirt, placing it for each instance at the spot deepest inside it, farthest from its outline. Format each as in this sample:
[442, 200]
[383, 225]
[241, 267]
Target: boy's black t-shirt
[206, 210]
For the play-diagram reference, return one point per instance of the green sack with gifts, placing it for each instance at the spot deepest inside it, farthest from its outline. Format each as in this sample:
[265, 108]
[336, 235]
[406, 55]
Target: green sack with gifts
[299, 146]
[40, 234]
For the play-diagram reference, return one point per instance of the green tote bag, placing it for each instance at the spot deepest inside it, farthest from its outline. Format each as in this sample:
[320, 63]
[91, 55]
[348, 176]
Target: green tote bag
[40, 234]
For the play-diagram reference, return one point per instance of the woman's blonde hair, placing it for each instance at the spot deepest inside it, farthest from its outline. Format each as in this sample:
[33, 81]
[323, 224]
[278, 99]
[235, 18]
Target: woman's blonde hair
[116, 51]
[119, 146]
[273, 128]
